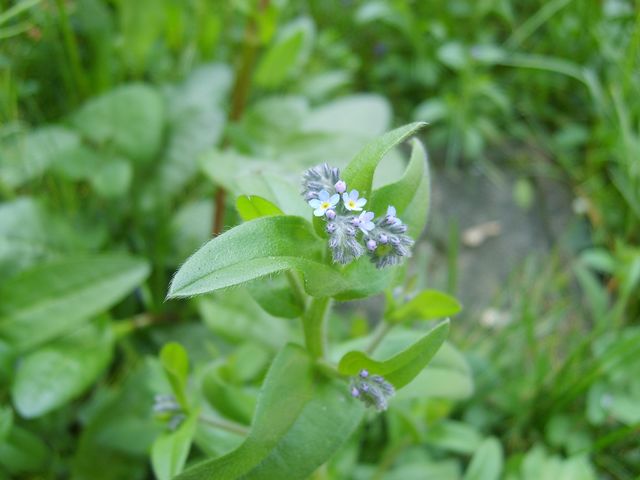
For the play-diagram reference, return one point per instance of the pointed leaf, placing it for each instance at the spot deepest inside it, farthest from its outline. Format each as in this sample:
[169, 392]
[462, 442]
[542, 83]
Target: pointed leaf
[359, 172]
[253, 250]
[403, 367]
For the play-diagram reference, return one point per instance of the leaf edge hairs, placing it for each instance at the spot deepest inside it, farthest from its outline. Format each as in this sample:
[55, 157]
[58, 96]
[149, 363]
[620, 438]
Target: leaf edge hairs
[353, 230]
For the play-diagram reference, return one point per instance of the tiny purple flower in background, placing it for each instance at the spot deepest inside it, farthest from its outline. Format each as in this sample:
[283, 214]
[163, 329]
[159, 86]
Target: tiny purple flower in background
[364, 222]
[341, 186]
[364, 373]
[331, 227]
[331, 214]
[352, 202]
[371, 245]
[323, 203]
[383, 239]
[355, 392]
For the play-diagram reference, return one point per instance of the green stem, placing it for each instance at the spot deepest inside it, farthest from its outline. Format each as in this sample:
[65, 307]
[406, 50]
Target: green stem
[314, 323]
[71, 47]
[225, 425]
[379, 333]
[297, 288]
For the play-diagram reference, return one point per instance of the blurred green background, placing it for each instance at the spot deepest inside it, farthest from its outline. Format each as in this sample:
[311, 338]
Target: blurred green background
[128, 127]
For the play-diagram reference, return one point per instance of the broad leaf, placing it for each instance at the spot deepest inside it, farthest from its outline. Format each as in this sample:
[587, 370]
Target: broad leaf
[51, 299]
[252, 206]
[359, 172]
[170, 450]
[253, 250]
[301, 420]
[427, 305]
[486, 463]
[403, 367]
[129, 118]
[59, 372]
[25, 158]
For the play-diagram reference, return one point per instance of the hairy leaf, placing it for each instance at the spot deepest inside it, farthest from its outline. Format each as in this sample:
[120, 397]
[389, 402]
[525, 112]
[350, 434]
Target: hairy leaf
[254, 249]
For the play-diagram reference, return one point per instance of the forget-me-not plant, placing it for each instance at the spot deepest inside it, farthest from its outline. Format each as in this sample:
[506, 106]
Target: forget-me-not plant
[352, 230]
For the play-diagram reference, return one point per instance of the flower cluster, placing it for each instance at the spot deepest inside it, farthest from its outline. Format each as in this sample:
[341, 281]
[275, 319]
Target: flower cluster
[353, 230]
[372, 390]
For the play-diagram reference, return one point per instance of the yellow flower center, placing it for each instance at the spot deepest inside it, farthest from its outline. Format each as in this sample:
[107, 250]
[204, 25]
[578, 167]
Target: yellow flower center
[352, 204]
[325, 205]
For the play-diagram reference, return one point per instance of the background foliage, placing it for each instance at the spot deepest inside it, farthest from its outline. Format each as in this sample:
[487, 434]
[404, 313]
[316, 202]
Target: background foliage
[129, 128]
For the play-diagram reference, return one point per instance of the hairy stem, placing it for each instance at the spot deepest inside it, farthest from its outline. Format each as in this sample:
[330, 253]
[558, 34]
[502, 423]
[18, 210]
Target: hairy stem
[314, 325]
[297, 288]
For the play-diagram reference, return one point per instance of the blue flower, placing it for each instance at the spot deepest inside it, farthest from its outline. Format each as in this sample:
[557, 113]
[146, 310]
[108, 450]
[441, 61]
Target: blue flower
[364, 222]
[324, 202]
[352, 202]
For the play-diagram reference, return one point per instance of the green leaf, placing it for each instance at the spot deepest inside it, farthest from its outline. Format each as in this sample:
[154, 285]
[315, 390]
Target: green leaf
[359, 172]
[455, 436]
[59, 372]
[301, 420]
[230, 400]
[253, 250]
[401, 193]
[253, 206]
[285, 54]
[275, 295]
[129, 118]
[6, 421]
[486, 463]
[196, 121]
[170, 450]
[427, 305]
[25, 158]
[22, 451]
[447, 376]
[175, 362]
[49, 300]
[403, 367]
